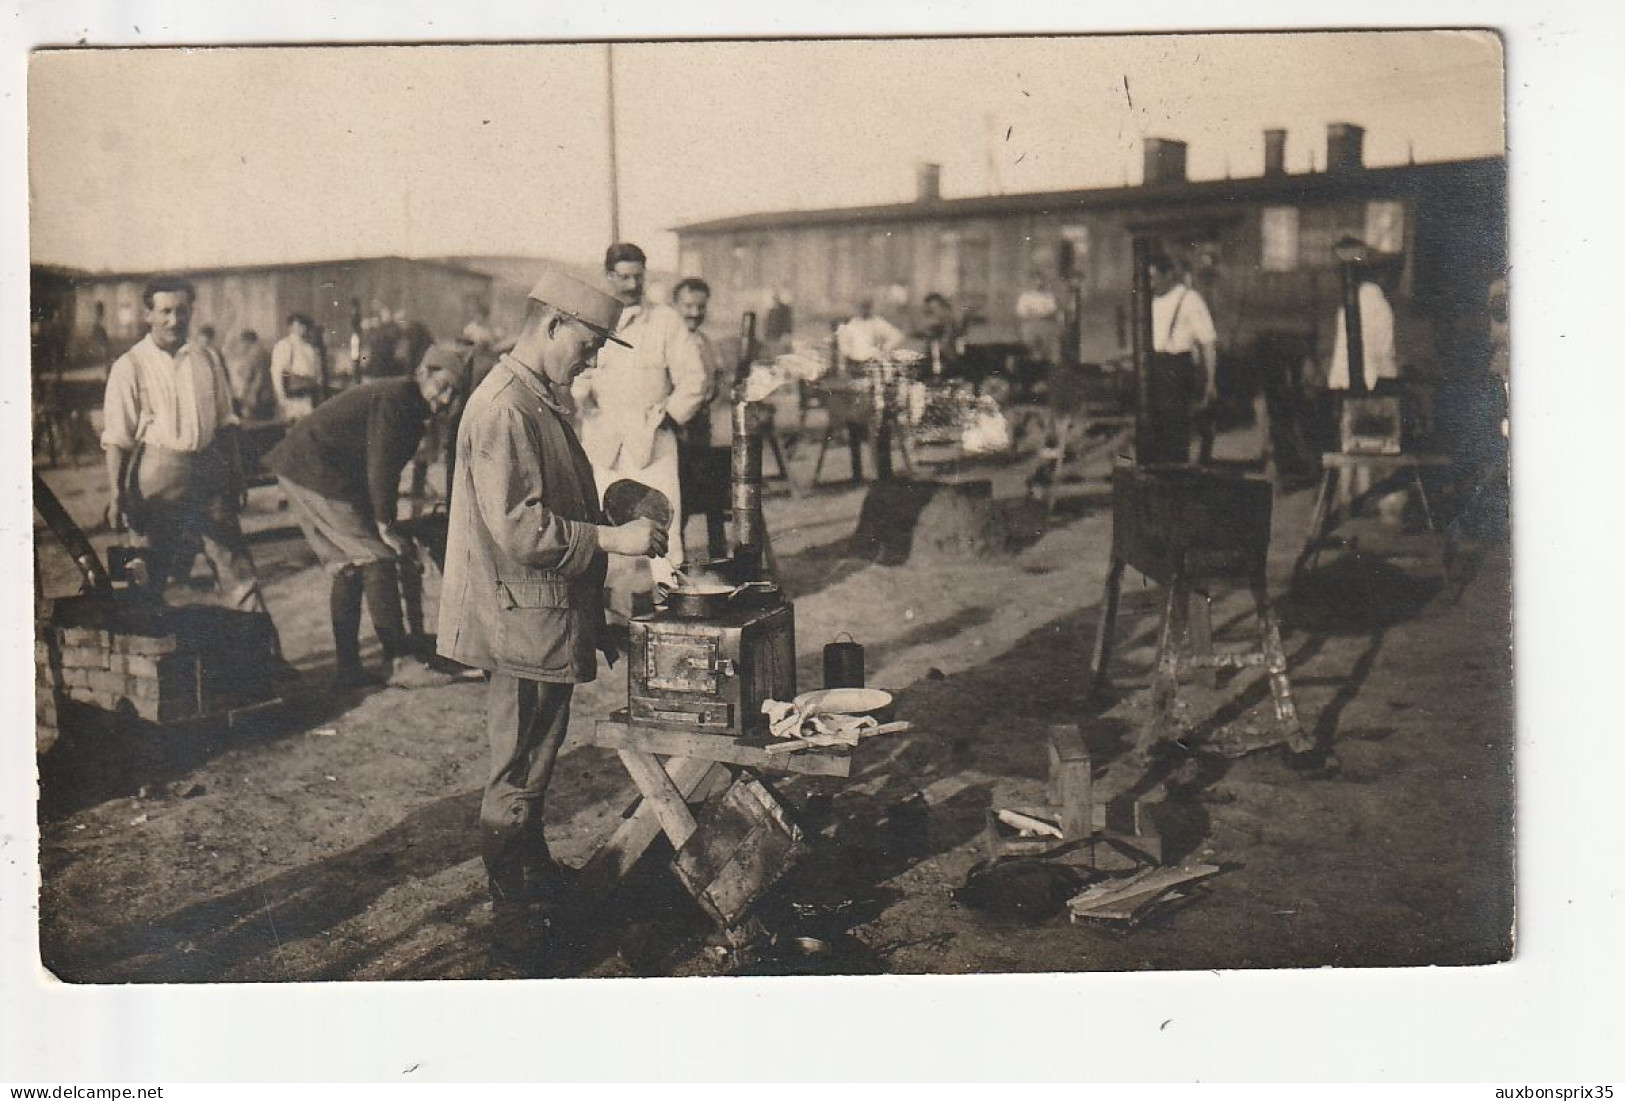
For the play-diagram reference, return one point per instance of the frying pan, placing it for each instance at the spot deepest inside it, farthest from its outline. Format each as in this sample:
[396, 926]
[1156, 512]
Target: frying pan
[706, 598]
[626, 500]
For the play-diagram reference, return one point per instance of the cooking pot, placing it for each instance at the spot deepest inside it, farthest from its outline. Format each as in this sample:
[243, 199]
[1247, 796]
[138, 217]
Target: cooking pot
[708, 599]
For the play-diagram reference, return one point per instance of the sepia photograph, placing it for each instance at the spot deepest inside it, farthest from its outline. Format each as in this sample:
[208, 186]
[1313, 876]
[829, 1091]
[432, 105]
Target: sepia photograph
[850, 507]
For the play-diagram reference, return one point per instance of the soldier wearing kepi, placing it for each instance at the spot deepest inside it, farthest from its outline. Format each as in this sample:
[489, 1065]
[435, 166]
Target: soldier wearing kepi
[522, 594]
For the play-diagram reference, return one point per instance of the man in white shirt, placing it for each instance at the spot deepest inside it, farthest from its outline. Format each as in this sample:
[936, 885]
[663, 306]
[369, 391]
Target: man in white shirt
[1038, 317]
[705, 446]
[173, 469]
[1376, 340]
[867, 336]
[296, 370]
[1183, 382]
[646, 383]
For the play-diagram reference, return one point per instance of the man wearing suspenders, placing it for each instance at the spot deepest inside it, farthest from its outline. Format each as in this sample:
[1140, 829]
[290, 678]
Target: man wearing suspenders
[1184, 363]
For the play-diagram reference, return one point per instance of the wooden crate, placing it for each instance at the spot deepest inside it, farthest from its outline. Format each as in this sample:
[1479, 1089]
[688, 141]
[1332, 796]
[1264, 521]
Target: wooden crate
[745, 841]
[1199, 523]
[1371, 425]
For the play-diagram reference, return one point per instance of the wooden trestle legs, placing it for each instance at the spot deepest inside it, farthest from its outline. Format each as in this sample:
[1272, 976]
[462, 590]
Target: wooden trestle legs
[1184, 645]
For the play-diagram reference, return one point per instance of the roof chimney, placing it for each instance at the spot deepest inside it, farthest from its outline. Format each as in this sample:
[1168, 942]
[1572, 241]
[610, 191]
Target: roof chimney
[1164, 161]
[927, 182]
[1275, 152]
[1345, 147]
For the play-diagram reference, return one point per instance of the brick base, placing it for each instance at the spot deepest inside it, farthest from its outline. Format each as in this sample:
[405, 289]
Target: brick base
[155, 663]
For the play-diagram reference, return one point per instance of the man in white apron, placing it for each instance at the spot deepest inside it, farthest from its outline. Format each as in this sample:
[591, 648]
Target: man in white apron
[630, 405]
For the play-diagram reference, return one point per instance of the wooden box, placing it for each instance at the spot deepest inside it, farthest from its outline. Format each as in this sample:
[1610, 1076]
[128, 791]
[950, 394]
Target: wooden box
[744, 843]
[1371, 425]
[1186, 520]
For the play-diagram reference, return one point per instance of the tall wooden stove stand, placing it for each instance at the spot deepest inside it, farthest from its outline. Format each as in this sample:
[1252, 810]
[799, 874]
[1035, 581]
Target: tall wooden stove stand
[1189, 529]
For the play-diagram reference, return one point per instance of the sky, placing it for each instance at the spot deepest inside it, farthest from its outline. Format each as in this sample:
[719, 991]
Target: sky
[146, 159]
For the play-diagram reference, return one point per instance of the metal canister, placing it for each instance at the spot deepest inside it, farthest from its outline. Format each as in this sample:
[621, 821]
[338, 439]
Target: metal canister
[843, 663]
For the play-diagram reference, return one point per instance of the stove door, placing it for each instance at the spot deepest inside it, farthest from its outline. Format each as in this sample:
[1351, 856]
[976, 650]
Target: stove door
[682, 663]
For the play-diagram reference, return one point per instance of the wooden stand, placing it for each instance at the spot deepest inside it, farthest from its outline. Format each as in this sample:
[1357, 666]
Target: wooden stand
[1101, 833]
[727, 856]
[851, 410]
[1189, 531]
[1387, 472]
[1184, 644]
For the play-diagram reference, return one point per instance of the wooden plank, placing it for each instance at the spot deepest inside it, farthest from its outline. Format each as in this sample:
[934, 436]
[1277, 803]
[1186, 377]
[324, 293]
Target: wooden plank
[661, 794]
[1100, 661]
[1071, 780]
[1286, 710]
[631, 839]
[1383, 463]
[1148, 883]
[1201, 633]
[1165, 682]
[716, 747]
[746, 843]
[1239, 660]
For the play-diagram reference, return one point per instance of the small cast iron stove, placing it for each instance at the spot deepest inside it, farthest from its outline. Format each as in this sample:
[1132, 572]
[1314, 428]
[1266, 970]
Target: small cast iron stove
[712, 674]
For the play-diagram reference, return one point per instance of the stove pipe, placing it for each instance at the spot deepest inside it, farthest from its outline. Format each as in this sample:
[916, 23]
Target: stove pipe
[746, 486]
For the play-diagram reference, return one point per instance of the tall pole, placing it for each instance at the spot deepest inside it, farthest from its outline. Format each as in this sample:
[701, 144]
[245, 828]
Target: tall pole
[1143, 338]
[614, 172]
[1353, 327]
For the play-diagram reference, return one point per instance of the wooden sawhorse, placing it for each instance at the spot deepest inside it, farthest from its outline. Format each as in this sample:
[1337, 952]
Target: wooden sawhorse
[1387, 471]
[1189, 529]
[677, 769]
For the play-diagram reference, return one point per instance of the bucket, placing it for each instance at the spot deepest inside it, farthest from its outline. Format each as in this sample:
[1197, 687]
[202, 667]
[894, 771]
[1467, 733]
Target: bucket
[843, 663]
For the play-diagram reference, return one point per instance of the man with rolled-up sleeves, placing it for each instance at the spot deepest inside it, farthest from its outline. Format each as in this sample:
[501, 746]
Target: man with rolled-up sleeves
[522, 594]
[174, 468]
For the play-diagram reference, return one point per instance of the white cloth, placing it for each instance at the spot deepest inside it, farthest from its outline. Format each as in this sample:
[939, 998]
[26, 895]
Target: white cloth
[1376, 339]
[175, 401]
[1179, 321]
[867, 338]
[625, 398]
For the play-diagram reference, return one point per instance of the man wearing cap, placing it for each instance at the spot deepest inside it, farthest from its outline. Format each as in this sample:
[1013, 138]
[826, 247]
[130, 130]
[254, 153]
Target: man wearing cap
[632, 400]
[522, 594]
[340, 469]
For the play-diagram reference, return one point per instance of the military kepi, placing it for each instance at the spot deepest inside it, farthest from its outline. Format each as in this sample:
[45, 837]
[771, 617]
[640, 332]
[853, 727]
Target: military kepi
[598, 311]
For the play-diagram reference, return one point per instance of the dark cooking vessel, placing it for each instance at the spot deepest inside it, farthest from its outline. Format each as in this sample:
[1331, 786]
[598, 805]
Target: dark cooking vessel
[712, 599]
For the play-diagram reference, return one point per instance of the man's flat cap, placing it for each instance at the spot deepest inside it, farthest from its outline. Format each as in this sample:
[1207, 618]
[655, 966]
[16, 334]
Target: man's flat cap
[598, 311]
[453, 359]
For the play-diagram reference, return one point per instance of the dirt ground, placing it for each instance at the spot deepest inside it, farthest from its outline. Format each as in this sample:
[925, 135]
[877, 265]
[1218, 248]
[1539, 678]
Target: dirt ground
[339, 842]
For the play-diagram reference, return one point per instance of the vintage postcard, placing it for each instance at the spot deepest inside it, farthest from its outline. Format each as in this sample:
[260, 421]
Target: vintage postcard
[1046, 499]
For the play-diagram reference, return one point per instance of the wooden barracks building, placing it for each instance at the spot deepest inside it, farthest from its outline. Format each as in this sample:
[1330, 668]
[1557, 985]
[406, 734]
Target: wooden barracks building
[1259, 249]
[438, 293]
